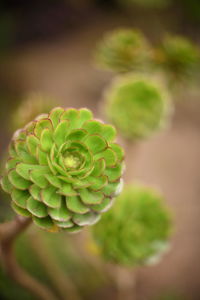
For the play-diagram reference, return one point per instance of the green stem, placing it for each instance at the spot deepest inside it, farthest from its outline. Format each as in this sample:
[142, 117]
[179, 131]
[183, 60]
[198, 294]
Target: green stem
[9, 231]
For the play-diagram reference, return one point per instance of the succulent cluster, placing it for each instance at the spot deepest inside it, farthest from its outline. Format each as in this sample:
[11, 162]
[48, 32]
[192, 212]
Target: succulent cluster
[33, 105]
[64, 169]
[137, 105]
[178, 57]
[123, 50]
[136, 229]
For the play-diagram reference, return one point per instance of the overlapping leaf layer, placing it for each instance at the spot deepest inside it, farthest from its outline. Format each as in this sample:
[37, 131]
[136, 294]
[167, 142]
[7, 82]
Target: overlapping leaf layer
[64, 169]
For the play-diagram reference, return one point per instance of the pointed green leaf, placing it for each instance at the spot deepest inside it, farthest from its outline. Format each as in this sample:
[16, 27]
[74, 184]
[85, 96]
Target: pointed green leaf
[112, 189]
[11, 163]
[46, 140]
[41, 125]
[95, 143]
[108, 132]
[5, 184]
[61, 132]
[67, 190]
[99, 167]
[50, 197]
[118, 150]
[44, 223]
[53, 180]
[90, 197]
[23, 154]
[74, 229]
[32, 142]
[35, 190]
[37, 208]
[114, 173]
[93, 127]
[20, 197]
[21, 211]
[55, 114]
[97, 183]
[17, 181]
[64, 224]
[38, 177]
[104, 206]
[109, 156]
[77, 135]
[61, 213]
[30, 127]
[42, 156]
[75, 205]
[87, 219]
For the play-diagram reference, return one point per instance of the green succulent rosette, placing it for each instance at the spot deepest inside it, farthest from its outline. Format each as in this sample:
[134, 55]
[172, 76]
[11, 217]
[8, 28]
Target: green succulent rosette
[138, 106]
[123, 50]
[64, 169]
[136, 230]
[178, 57]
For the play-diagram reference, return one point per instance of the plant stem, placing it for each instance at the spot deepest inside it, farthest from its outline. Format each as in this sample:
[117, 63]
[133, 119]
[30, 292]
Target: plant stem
[9, 231]
[61, 281]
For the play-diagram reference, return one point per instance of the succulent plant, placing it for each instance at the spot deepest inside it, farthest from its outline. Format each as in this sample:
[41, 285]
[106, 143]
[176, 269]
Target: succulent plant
[135, 229]
[178, 57]
[32, 105]
[123, 50]
[64, 169]
[137, 105]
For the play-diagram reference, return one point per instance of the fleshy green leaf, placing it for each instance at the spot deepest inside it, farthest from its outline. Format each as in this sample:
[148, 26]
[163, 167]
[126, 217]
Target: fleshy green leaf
[41, 156]
[98, 183]
[35, 192]
[11, 163]
[109, 156]
[99, 167]
[89, 197]
[23, 154]
[71, 115]
[118, 150]
[61, 213]
[64, 224]
[41, 125]
[104, 206]
[32, 142]
[17, 181]
[112, 189]
[84, 115]
[55, 114]
[67, 190]
[61, 132]
[108, 132]
[93, 127]
[50, 197]
[45, 223]
[75, 205]
[38, 177]
[77, 135]
[20, 197]
[114, 173]
[95, 143]
[21, 211]
[74, 229]
[86, 219]
[53, 180]
[37, 208]
[46, 140]
[5, 184]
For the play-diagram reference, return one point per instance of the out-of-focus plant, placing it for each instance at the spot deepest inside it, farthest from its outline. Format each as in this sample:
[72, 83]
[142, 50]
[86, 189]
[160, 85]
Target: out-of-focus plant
[147, 3]
[32, 105]
[123, 50]
[179, 58]
[63, 171]
[137, 105]
[137, 230]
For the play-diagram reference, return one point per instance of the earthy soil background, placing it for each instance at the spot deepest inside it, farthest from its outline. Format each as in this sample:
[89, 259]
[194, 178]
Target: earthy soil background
[63, 68]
